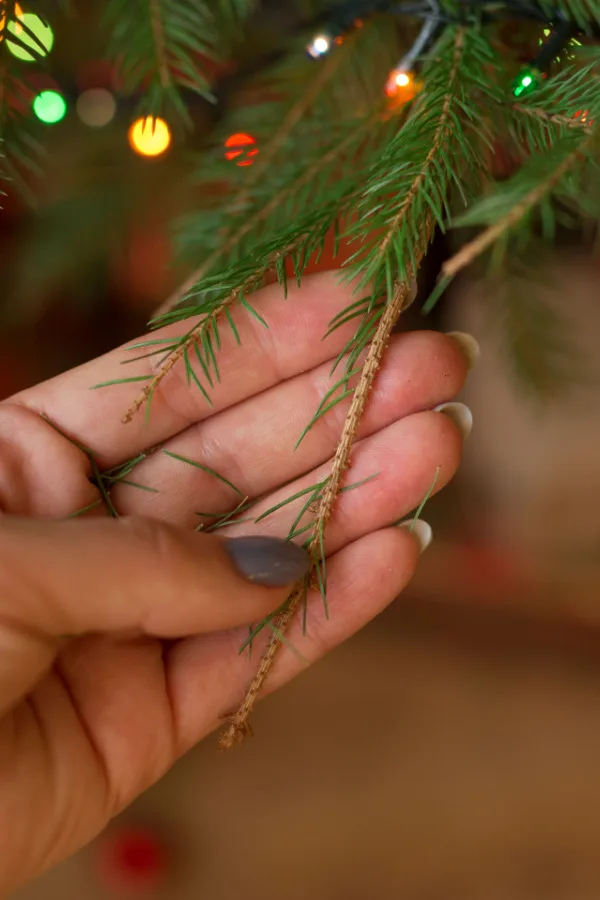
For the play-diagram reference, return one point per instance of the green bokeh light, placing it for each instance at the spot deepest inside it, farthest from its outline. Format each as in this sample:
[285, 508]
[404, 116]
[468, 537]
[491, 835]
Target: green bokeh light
[524, 84]
[49, 107]
[43, 33]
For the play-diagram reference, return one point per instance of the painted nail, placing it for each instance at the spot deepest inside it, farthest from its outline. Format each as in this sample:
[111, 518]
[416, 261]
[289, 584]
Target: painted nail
[421, 530]
[460, 414]
[267, 560]
[468, 346]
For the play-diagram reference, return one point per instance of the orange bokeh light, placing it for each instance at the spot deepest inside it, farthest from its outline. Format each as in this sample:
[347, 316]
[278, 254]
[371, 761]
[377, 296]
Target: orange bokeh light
[18, 12]
[241, 147]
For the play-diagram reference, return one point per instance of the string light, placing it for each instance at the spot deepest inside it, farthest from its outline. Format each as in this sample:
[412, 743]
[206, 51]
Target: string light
[526, 83]
[241, 147]
[149, 136]
[397, 80]
[320, 45]
[37, 27]
[50, 107]
[96, 107]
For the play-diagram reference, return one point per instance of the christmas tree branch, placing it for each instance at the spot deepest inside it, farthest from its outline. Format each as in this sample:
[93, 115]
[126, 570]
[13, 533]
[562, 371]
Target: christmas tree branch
[432, 132]
[160, 44]
[202, 332]
[239, 726]
[552, 118]
[438, 141]
[229, 237]
[515, 215]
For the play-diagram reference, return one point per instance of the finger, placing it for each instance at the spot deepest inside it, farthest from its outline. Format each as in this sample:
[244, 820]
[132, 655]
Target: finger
[252, 444]
[394, 470]
[125, 576]
[291, 344]
[363, 579]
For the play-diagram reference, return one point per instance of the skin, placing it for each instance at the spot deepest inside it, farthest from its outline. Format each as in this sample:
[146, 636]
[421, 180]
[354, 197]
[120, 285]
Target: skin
[156, 613]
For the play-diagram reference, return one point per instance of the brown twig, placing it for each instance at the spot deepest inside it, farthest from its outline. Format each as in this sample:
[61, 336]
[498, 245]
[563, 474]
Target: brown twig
[553, 119]
[239, 726]
[159, 42]
[474, 248]
[230, 238]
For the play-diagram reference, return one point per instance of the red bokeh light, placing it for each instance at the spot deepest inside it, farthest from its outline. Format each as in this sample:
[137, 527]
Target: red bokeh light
[241, 147]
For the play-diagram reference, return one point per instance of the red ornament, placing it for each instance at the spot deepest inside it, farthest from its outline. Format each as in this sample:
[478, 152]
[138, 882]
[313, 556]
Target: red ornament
[131, 860]
[241, 147]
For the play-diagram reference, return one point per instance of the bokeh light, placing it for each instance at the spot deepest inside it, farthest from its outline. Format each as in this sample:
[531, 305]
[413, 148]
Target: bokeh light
[149, 136]
[242, 148]
[50, 107]
[96, 107]
[398, 82]
[36, 26]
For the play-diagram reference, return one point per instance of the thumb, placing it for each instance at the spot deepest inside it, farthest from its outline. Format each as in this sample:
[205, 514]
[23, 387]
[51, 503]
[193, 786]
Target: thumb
[129, 575]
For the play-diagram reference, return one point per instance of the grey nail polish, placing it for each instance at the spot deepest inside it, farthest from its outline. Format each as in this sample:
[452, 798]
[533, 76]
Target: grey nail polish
[267, 560]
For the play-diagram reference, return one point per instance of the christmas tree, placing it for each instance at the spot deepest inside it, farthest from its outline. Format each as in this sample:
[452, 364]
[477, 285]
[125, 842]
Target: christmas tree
[356, 132]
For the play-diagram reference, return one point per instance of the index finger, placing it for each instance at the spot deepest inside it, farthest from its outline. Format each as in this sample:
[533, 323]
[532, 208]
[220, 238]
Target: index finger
[289, 345]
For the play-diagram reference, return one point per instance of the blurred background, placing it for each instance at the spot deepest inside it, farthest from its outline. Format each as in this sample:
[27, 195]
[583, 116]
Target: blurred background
[452, 749]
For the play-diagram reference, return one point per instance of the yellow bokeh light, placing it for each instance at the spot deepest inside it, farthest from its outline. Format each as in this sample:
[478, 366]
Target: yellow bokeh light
[402, 79]
[149, 136]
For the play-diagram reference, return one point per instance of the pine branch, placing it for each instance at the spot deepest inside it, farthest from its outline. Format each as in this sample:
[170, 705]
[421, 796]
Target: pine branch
[202, 331]
[232, 234]
[156, 44]
[439, 146]
[519, 211]
[158, 33]
[239, 726]
[263, 214]
[438, 141]
[552, 118]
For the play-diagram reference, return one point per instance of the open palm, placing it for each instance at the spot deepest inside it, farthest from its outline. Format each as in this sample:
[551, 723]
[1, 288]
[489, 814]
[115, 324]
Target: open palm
[92, 720]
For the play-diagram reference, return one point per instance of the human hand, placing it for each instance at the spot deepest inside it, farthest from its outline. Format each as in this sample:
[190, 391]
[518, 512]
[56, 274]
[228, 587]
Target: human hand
[154, 611]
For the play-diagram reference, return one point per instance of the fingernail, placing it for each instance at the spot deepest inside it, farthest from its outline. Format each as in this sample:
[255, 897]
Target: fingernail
[267, 560]
[468, 346]
[421, 530]
[460, 414]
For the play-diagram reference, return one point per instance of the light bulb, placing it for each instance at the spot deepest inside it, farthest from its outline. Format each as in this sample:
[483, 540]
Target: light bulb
[319, 46]
[397, 82]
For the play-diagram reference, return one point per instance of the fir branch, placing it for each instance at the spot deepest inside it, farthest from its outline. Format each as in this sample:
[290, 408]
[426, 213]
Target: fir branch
[521, 209]
[239, 726]
[202, 331]
[156, 44]
[439, 139]
[233, 237]
[158, 33]
[230, 236]
[439, 146]
[551, 118]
